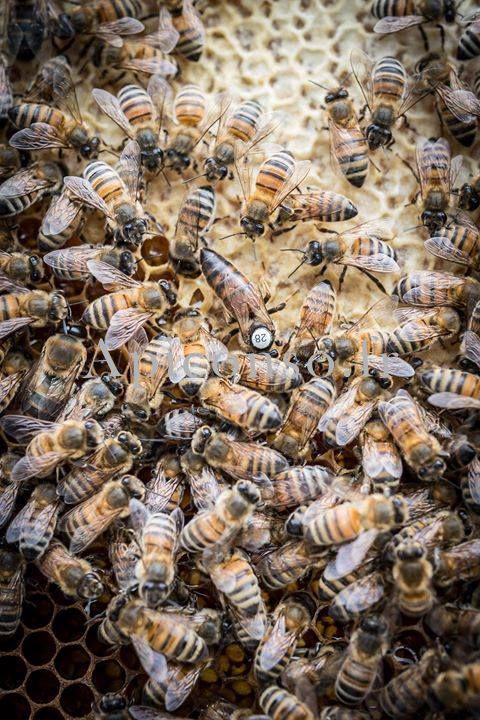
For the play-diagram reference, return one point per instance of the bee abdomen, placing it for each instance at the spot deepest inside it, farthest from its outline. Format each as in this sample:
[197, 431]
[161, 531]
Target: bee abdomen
[389, 78]
[469, 44]
[243, 123]
[463, 132]
[136, 104]
[190, 104]
[273, 173]
[353, 682]
[201, 532]
[282, 705]
[395, 8]
[10, 609]
[352, 155]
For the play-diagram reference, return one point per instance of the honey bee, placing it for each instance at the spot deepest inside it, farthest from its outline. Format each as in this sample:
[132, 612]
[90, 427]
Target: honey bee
[406, 693]
[276, 178]
[21, 307]
[387, 93]
[21, 268]
[431, 289]
[470, 486]
[8, 488]
[315, 319]
[360, 596]
[28, 187]
[420, 328]
[176, 686]
[234, 578]
[279, 704]
[381, 461]
[420, 449]
[72, 263]
[74, 576]
[348, 145]
[108, 21]
[286, 564]
[138, 113]
[91, 518]
[145, 54]
[112, 707]
[261, 372]
[188, 27]
[27, 25]
[398, 15]
[361, 664]
[317, 205]
[109, 631]
[240, 298]
[362, 248]
[450, 388]
[351, 519]
[152, 631]
[455, 689]
[244, 461]
[469, 42]
[241, 406]
[212, 527]
[456, 564]
[437, 172]
[95, 398]
[128, 307]
[6, 92]
[63, 220]
[470, 347]
[291, 619]
[61, 126]
[412, 574]
[206, 485]
[469, 197]
[297, 486]
[50, 384]
[308, 403]
[194, 219]
[12, 566]
[34, 525]
[115, 456]
[52, 444]
[157, 540]
[441, 528]
[190, 113]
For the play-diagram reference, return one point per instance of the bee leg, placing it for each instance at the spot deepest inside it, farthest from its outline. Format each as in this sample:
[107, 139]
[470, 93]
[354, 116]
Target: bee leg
[362, 112]
[374, 280]
[407, 164]
[342, 278]
[442, 36]
[440, 120]
[426, 44]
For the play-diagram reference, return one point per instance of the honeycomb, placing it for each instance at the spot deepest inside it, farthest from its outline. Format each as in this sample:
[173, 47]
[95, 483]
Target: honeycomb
[54, 667]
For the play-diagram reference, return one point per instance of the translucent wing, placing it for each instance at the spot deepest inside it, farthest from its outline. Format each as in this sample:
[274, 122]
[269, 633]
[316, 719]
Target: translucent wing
[64, 93]
[443, 247]
[15, 529]
[111, 278]
[176, 358]
[73, 260]
[84, 192]
[180, 686]
[6, 95]
[60, 215]
[339, 137]
[7, 327]
[452, 401]
[31, 465]
[166, 36]
[462, 103]
[22, 427]
[85, 534]
[361, 594]
[45, 521]
[154, 663]
[302, 168]
[276, 645]
[388, 25]
[215, 349]
[339, 407]
[39, 136]
[8, 384]
[473, 479]
[352, 422]
[7, 285]
[166, 27]
[7, 502]
[110, 105]
[471, 347]
[123, 325]
[111, 32]
[350, 556]
[129, 168]
[377, 463]
[362, 66]
[438, 280]
[161, 93]
[427, 151]
[391, 366]
[155, 66]
[193, 20]
[376, 262]
[23, 183]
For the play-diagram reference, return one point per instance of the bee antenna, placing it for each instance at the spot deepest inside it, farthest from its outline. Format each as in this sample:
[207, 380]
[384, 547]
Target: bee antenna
[415, 227]
[297, 268]
[109, 150]
[297, 250]
[232, 235]
[324, 87]
[195, 177]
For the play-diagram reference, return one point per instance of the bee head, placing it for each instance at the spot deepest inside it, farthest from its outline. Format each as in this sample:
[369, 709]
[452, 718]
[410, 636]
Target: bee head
[252, 228]
[115, 386]
[469, 198]
[89, 149]
[377, 136]
[154, 592]
[152, 159]
[434, 220]
[201, 438]
[450, 11]
[90, 587]
[35, 268]
[314, 253]
[249, 491]
[215, 170]
[168, 291]
[294, 523]
[133, 231]
[95, 434]
[112, 703]
[410, 551]
[58, 307]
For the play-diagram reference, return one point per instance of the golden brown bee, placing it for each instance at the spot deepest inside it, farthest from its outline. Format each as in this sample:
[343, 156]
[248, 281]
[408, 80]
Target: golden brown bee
[50, 384]
[195, 217]
[291, 619]
[358, 597]
[131, 304]
[420, 328]
[241, 406]
[138, 113]
[348, 146]
[437, 172]
[108, 21]
[34, 525]
[455, 689]
[148, 627]
[75, 576]
[363, 656]
[21, 268]
[52, 444]
[276, 178]
[233, 577]
[299, 485]
[72, 263]
[158, 541]
[440, 528]
[95, 398]
[29, 186]
[419, 448]
[381, 461]
[308, 403]
[175, 687]
[241, 298]
[87, 521]
[287, 564]
[12, 566]
[44, 126]
[315, 319]
[212, 527]
[469, 42]
[145, 55]
[190, 112]
[244, 461]
[431, 289]
[398, 15]
[115, 456]
[317, 205]
[349, 520]
[457, 563]
[179, 425]
[63, 220]
[451, 388]
[109, 631]
[35, 308]
[412, 574]
[279, 704]
[188, 27]
[405, 695]
[261, 372]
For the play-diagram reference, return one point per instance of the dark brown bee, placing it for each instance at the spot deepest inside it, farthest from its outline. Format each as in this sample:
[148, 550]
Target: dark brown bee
[398, 15]
[34, 525]
[406, 694]
[348, 145]
[457, 563]
[469, 42]
[107, 20]
[75, 576]
[12, 566]
[29, 186]
[437, 172]
[455, 689]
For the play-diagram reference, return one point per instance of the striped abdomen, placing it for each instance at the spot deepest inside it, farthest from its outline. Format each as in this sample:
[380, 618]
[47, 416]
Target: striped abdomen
[463, 132]
[350, 149]
[317, 312]
[282, 705]
[322, 205]
[225, 280]
[402, 339]
[34, 543]
[450, 380]
[159, 536]
[192, 35]
[469, 43]
[25, 114]
[405, 695]
[190, 105]
[198, 370]
[110, 10]
[99, 313]
[15, 205]
[430, 289]
[245, 594]
[402, 421]
[298, 485]
[471, 481]
[110, 634]
[106, 183]
[54, 241]
[248, 408]
[393, 8]
[272, 176]
[435, 160]
[11, 600]
[334, 525]
[175, 641]
[284, 566]
[354, 681]
[137, 105]
[203, 531]
[328, 589]
[196, 212]
[465, 239]
[243, 124]
[368, 246]
[388, 86]
[307, 405]
[270, 676]
[415, 604]
[375, 342]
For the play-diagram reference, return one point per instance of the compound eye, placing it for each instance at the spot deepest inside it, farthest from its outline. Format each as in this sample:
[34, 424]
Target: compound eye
[122, 437]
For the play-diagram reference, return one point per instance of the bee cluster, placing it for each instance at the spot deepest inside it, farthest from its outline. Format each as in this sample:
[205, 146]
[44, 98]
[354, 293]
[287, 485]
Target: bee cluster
[213, 504]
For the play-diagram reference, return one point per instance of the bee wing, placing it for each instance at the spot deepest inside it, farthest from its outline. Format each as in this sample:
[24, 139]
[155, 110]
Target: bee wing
[6, 95]
[44, 524]
[64, 94]
[362, 66]
[473, 479]
[23, 183]
[22, 427]
[15, 529]
[31, 465]
[318, 309]
[142, 712]
[388, 25]
[452, 401]
[72, 259]
[7, 327]
[442, 247]
[139, 514]
[377, 262]
[85, 534]
[110, 105]
[391, 365]
[302, 168]
[276, 645]
[352, 422]
[375, 463]
[123, 325]
[471, 346]
[205, 489]
[155, 66]
[110, 277]
[61, 213]
[340, 136]
[112, 32]
[161, 93]
[455, 169]
[339, 407]
[167, 28]
[84, 193]
[424, 164]
[154, 663]
[350, 556]
[180, 686]
[462, 103]
[7, 502]
[39, 136]
[10, 383]
[379, 314]
[214, 348]
[129, 168]
[437, 280]
[409, 314]
[176, 370]
[361, 594]
[269, 123]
